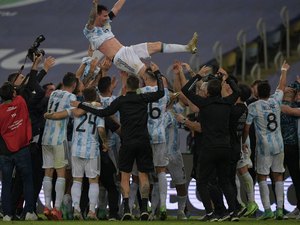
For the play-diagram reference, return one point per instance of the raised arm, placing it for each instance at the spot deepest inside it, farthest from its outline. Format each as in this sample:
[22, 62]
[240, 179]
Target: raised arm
[282, 80]
[92, 16]
[118, 6]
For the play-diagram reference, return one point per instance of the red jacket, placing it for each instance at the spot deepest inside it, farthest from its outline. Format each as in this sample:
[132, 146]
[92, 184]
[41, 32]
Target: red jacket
[15, 125]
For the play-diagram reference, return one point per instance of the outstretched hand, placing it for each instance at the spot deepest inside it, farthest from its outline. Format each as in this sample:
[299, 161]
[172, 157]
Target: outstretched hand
[285, 66]
[49, 62]
[154, 67]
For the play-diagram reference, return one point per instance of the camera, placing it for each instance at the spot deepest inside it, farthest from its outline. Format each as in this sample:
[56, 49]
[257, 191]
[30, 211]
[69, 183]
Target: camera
[34, 48]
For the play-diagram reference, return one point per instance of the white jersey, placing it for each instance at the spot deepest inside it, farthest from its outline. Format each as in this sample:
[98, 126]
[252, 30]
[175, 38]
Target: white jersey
[266, 117]
[171, 126]
[85, 140]
[156, 112]
[55, 132]
[98, 35]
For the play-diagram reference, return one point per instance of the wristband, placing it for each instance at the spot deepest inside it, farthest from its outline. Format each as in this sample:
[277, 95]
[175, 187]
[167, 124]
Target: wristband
[283, 69]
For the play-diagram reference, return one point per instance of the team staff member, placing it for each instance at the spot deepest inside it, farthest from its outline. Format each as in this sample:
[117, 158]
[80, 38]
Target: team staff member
[214, 119]
[134, 135]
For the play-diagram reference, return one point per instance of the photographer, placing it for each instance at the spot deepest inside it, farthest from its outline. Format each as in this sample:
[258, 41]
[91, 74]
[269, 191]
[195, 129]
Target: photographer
[14, 142]
[29, 88]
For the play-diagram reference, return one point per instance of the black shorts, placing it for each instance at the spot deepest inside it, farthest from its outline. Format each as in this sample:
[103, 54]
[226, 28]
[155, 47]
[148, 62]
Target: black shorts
[141, 152]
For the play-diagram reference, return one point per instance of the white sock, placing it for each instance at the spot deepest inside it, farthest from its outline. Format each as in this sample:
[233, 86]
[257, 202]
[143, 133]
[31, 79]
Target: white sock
[102, 198]
[173, 48]
[76, 194]
[163, 188]
[279, 193]
[238, 189]
[60, 191]
[47, 187]
[93, 196]
[132, 194]
[248, 184]
[264, 194]
[181, 202]
[154, 197]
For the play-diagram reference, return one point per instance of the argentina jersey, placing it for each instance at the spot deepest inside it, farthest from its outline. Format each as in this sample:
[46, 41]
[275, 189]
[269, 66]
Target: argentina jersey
[171, 126]
[55, 132]
[266, 117]
[113, 138]
[156, 111]
[85, 142]
[98, 35]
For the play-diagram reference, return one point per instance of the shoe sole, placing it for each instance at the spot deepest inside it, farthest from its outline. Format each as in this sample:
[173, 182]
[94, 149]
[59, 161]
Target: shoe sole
[144, 217]
[224, 219]
[251, 212]
[126, 216]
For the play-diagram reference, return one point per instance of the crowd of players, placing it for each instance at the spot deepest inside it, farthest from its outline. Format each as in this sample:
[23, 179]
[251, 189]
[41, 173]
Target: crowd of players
[82, 144]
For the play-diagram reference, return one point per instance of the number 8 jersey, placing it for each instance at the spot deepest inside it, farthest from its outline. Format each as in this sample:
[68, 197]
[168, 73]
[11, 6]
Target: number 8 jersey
[55, 132]
[266, 117]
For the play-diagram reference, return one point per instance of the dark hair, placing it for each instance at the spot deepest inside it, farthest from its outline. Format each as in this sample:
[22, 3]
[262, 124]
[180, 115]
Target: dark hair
[245, 92]
[132, 82]
[263, 89]
[255, 82]
[103, 84]
[46, 85]
[101, 8]
[69, 79]
[12, 77]
[150, 73]
[214, 87]
[89, 94]
[7, 91]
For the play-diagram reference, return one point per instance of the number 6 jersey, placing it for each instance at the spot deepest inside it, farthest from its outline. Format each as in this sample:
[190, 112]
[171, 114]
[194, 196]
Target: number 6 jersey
[55, 132]
[266, 117]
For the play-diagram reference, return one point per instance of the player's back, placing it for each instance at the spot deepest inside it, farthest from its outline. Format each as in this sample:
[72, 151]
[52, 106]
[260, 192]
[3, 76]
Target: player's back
[55, 132]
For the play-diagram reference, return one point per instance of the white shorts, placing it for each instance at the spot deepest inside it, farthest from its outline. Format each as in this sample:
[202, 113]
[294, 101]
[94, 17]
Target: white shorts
[273, 162]
[160, 156]
[128, 58]
[55, 156]
[89, 167]
[176, 169]
[245, 160]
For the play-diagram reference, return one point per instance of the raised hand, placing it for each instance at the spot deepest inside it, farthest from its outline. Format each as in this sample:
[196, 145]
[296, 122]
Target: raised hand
[49, 62]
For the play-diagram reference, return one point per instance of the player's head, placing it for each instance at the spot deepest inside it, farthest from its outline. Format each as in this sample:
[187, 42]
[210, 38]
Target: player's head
[49, 88]
[102, 16]
[263, 89]
[90, 94]
[70, 81]
[132, 83]
[214, 88]
[254, 88]
[245, 92]
[104, 84]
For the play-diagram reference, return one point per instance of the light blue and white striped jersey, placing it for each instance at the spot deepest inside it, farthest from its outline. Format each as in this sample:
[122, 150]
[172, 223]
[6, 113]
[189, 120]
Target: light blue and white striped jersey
[156, 112]
[171, 126]
[55, 132]
[85, 141]
[113, 138]
[266, 117]
[98, 35]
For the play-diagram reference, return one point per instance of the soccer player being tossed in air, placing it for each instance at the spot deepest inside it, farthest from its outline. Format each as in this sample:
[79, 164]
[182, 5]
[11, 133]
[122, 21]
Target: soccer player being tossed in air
[98, 32]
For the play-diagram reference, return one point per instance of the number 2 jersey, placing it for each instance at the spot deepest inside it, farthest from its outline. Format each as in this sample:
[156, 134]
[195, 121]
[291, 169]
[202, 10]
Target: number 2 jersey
[85, 141]
[55, 132]
[266, 117]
